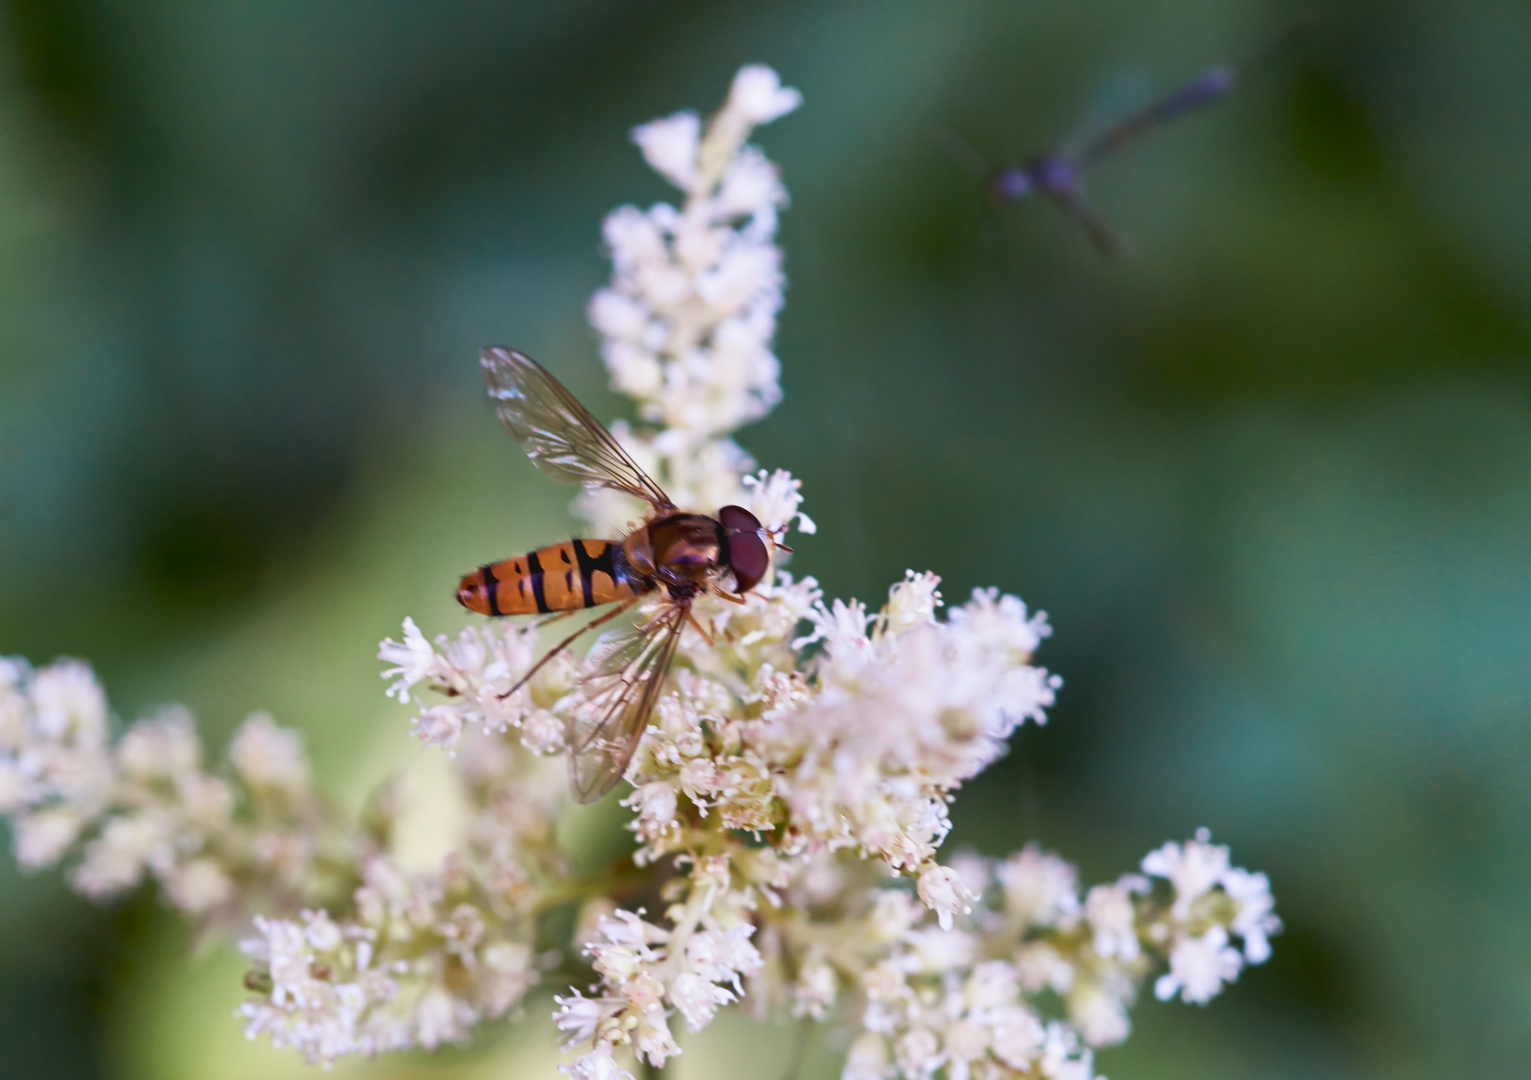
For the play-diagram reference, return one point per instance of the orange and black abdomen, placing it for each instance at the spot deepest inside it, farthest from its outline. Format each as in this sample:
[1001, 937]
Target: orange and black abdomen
[562, 577]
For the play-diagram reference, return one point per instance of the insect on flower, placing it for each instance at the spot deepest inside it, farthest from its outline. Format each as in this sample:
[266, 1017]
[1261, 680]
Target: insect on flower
[678, 554]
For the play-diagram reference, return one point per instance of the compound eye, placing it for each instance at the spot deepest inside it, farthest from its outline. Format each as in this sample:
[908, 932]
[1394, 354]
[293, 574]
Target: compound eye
[736, 519]
[748, 558]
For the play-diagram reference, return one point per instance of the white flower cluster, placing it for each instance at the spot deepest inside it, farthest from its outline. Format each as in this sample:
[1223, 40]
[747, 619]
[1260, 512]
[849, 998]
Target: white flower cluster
[688, 319]
[1196, 932]
[784, 776]
[904, 709]
[144, 807]
[694, 965]
[419, 959]
[418, 965]
[400, 961]
[856, 751]
[972, 1000]
[976, 1008]
[474, 672]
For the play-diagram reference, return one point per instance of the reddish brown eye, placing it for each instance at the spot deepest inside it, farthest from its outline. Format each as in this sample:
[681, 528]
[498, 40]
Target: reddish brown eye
[748, 558]
[747, 554]
[737, 519]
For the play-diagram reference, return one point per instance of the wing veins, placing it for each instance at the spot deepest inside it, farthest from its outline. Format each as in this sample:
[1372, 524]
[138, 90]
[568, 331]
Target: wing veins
[600, 431]
[600, 754]
[558, 433]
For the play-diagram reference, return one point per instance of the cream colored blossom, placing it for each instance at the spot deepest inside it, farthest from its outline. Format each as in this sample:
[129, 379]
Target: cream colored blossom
[688, 318]
[1199, 966]
[945, 893]
[598, 1064]
[266, 756]
[1256, 920]
[1040, 889]
[144, 808]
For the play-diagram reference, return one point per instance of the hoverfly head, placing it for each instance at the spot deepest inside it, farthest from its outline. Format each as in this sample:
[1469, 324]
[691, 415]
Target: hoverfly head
[745, 540]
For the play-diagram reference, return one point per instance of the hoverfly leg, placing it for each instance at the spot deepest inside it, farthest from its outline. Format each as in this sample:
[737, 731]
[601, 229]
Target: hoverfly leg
[566, 642]
[551, 619]
[706, 636]
[730, 597]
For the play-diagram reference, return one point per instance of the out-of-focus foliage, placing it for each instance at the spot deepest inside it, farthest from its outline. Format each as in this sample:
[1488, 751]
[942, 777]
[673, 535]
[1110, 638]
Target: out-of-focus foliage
[1268, 474]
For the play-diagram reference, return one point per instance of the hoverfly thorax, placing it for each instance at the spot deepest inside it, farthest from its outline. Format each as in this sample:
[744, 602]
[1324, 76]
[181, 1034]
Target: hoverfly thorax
[688, 548]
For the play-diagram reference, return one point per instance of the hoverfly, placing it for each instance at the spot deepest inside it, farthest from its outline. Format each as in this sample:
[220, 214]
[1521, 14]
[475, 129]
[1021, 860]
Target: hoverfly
[681, 555]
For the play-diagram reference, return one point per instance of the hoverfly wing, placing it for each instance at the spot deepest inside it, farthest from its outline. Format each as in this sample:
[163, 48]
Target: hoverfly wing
[558, 433]
[630, 666]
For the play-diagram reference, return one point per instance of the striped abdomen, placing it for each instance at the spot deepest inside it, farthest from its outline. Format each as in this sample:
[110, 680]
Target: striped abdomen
[562, 577]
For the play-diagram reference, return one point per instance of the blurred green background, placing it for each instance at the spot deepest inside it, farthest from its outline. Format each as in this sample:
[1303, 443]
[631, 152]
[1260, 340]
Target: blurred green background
[1270, 475]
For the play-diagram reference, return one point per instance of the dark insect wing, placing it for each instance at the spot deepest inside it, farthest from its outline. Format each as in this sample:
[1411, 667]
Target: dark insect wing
[558, 433]
[619, 695]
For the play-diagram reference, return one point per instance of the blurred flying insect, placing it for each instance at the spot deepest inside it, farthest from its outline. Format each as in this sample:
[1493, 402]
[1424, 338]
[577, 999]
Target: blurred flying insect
[1059, 176]
[677, 554]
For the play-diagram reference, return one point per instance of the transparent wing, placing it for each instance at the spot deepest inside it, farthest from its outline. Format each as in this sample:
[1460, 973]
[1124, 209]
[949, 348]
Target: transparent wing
[630, 666]
[558, 433]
